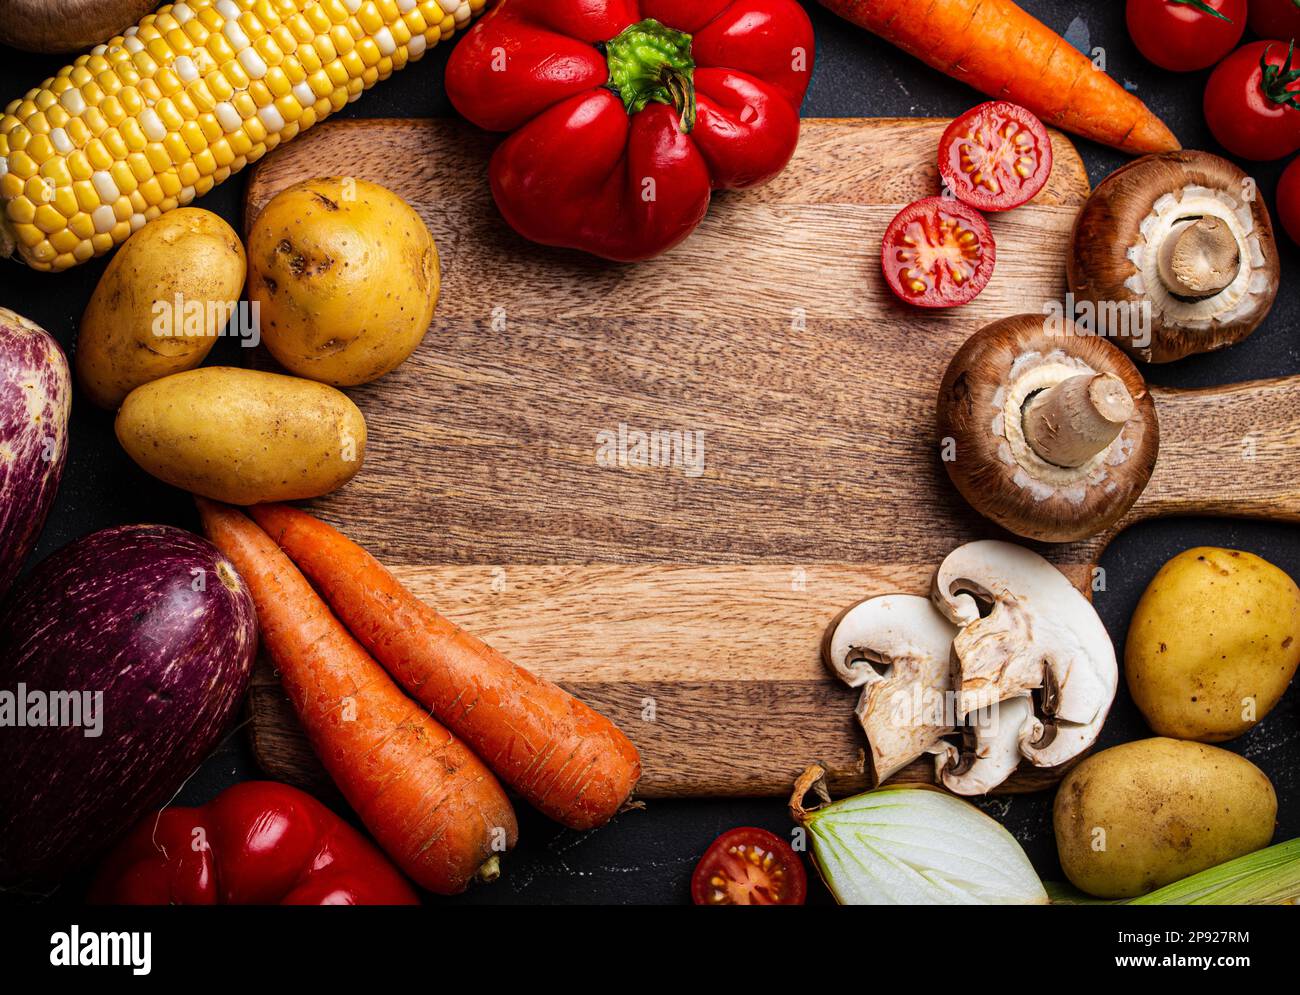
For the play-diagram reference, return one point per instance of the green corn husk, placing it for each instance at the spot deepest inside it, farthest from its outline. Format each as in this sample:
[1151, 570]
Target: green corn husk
[1266, 877]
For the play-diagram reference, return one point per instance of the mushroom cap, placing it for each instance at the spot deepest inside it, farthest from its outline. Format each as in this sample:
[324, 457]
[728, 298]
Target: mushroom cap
[997, 472]
[897, 648]
[1026, 631]
[1116, 253]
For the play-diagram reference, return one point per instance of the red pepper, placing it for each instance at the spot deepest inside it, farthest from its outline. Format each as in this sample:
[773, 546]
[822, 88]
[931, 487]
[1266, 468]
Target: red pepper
[626, 115]
[257, 843]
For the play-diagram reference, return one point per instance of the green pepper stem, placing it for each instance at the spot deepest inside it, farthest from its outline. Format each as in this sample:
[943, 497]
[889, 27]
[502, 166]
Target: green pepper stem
[649, 63]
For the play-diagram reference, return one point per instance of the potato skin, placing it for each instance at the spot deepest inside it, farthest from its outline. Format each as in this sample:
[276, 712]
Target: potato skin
[189, 252]
[1167, 808]
[346, 278]
[243, 436]
[1214, 630]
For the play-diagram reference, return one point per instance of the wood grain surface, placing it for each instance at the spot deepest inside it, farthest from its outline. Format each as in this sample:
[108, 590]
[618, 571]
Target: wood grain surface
[689, 606]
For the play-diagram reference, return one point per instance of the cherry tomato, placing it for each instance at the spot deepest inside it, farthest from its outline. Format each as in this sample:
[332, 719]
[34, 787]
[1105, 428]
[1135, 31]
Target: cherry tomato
[995, 156]
[1251, 101]
[1288, 200]
[1275, 18]
[749, 866]
[1183, 35]
[937, 252]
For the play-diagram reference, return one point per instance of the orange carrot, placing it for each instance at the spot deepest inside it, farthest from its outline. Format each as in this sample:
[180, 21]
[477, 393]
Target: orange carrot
[429, 802]
[567, 759]
[1000, 50]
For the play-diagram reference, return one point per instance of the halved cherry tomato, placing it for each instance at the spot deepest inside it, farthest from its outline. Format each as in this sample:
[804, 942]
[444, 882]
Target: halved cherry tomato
[996, 156]
[1252, 101]
[749, 866]
[937, 252]
[1184, 35]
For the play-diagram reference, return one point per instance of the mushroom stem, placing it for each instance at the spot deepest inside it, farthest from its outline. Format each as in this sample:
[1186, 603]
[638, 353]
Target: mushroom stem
[1199, 258]
[1071, 422]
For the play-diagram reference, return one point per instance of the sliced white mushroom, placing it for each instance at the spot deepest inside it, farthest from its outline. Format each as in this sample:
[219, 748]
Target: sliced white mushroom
[998, 736]
[1026, 632]
[897, 648]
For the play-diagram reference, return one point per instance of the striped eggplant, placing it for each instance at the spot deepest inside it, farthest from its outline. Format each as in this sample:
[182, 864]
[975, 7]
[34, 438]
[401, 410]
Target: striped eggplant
[123, 657]
[35, 397]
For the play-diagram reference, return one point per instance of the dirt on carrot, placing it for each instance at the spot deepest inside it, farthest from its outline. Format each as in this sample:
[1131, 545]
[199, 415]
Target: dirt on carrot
[994, 46]
[425, 797]
[567, 759]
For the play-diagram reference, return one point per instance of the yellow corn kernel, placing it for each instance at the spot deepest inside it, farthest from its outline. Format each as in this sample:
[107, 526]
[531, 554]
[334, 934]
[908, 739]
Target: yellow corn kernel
[55, 170]
[177, 150]
[65, 201]
[21, 211]
[64, 240]
[152, 191]
[86, 194]
[98, 155]
[47, 219]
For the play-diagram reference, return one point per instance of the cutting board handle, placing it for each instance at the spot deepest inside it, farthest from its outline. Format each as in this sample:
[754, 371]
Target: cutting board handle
[1232, 451]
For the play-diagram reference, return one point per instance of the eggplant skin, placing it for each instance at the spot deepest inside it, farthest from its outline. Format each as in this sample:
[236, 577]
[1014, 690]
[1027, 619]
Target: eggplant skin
[35, 398]
[159, 621]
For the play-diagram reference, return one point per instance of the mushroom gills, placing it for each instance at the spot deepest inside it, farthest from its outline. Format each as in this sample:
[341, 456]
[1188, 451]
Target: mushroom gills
[897, 648]
[1041, 643]
[1181, 257]
[993, 740]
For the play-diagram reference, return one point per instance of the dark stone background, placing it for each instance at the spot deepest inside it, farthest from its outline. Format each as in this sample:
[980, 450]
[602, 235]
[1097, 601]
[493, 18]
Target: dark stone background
[647, 856]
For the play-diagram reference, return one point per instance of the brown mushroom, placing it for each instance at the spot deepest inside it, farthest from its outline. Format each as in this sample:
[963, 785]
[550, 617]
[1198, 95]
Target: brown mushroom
[67, 25]
[1047, 431]
[1173, 255]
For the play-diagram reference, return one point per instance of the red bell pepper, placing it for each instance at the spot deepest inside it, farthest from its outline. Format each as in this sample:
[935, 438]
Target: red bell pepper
[257, 843]
[626, 115]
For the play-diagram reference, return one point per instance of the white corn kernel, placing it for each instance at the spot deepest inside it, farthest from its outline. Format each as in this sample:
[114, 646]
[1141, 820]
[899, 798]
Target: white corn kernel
[104, 186]
[228, 117]
[271, 117]
[253, 63]
[152, 126]
[103, 218]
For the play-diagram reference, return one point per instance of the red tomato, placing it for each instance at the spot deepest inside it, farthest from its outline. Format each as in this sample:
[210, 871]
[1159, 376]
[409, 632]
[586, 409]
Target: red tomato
[1275, 18]
[1288, 200]
[1183, 35]
[749, 866]
[1250, 101]
[995, 156]
[937, 252]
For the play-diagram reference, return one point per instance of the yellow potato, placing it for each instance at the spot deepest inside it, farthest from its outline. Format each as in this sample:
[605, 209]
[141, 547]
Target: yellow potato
[1142, 815]
[242, 436]
[345, 276]
[1213, 644]
[160, 305]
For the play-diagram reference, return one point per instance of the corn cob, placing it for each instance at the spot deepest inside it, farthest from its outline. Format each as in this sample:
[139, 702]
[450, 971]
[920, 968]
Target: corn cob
[193, 93]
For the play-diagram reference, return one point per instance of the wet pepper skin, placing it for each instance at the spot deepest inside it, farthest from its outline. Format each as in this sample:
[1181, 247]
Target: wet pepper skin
[583, 169]
[257, 843]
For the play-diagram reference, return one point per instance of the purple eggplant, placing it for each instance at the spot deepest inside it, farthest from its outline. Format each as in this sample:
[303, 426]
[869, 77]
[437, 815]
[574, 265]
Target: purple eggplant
[35, 396]
[123, 657]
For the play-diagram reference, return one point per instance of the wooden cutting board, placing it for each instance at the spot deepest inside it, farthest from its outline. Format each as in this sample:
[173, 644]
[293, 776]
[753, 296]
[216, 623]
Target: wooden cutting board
[689, 607]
